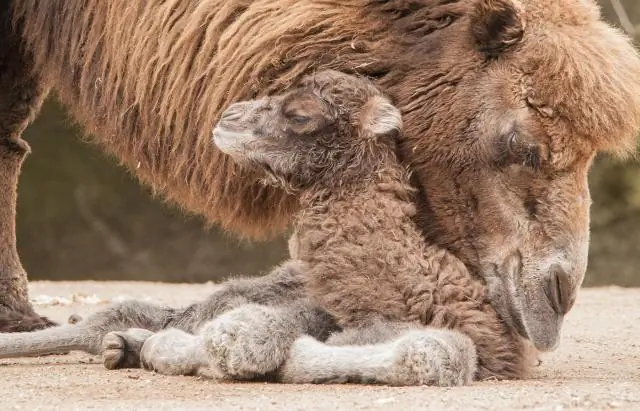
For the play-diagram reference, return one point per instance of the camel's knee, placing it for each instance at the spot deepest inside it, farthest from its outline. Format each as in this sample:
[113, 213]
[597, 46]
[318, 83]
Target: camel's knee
[19, 104]
[249, 341]
[21, 97]
[434, 357]
[173, 352]
[22, 91]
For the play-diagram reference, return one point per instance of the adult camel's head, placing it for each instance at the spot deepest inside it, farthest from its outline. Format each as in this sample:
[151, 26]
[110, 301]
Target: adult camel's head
[505, 104]
[502, 128]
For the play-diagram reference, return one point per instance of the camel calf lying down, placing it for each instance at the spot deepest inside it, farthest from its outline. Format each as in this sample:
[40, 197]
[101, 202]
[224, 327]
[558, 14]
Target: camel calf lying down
[389, 308]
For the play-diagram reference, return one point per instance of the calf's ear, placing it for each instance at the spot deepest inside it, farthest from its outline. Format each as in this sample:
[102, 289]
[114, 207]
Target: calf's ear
[380, 117]
[496, 25]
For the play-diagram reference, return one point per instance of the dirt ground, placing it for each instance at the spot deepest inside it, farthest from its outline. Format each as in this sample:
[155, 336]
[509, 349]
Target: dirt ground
[596, 367]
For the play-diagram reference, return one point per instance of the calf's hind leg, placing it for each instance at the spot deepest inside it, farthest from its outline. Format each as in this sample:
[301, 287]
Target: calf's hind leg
[21, 95]
[255, 321]
[244, 343]
[135, 321]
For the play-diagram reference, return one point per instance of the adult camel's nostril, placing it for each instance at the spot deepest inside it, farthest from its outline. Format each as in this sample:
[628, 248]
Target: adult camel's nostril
[559, 290]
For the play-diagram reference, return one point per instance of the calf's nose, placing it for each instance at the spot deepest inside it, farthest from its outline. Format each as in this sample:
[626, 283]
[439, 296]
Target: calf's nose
[233, 113]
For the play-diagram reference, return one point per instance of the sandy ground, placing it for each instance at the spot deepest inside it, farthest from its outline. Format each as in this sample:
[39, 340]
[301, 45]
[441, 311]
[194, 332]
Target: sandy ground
[596, 367]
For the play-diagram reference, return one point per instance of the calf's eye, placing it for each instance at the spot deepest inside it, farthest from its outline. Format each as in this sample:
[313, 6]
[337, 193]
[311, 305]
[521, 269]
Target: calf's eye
[297, 119]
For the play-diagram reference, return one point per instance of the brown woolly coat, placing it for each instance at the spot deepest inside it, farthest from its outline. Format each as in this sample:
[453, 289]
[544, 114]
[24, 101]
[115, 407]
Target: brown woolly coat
[367, 259]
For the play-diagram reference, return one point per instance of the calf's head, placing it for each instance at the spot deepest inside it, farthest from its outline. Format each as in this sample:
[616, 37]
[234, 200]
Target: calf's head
[332, 129]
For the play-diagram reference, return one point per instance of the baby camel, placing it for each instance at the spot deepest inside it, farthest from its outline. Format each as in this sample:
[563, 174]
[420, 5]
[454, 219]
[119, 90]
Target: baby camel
[401, 312]
[333, 141]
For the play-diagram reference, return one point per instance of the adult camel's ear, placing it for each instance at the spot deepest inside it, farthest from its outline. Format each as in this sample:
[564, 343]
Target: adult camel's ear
[496, 25]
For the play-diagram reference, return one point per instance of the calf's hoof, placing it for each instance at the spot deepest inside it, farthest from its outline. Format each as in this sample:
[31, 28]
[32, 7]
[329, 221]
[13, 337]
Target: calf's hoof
[121, 349]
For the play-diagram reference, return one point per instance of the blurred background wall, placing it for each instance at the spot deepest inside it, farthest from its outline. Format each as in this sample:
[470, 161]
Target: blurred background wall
[80, 216]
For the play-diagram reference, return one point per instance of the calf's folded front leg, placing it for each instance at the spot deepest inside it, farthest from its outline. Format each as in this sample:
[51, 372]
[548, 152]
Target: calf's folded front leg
[417, 356]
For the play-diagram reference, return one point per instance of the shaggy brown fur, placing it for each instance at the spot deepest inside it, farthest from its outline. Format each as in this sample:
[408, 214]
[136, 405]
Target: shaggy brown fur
[333, 143]
[505, 105]
[224, 51]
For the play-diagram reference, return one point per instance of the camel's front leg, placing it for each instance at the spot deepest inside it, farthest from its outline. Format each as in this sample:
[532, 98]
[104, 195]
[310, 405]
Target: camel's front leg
[415, 357]
[16, 313]
[21, 96]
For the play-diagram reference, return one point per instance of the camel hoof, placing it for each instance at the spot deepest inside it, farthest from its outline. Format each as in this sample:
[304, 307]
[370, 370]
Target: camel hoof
[12, 321]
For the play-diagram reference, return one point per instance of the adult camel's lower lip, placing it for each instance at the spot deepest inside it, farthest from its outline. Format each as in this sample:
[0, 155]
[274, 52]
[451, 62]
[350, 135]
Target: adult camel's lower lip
[506, 305]
[518, 322]
[515, 317]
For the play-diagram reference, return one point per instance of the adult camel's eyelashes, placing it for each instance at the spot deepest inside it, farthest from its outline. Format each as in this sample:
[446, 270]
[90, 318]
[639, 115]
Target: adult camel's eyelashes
[514, 150]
